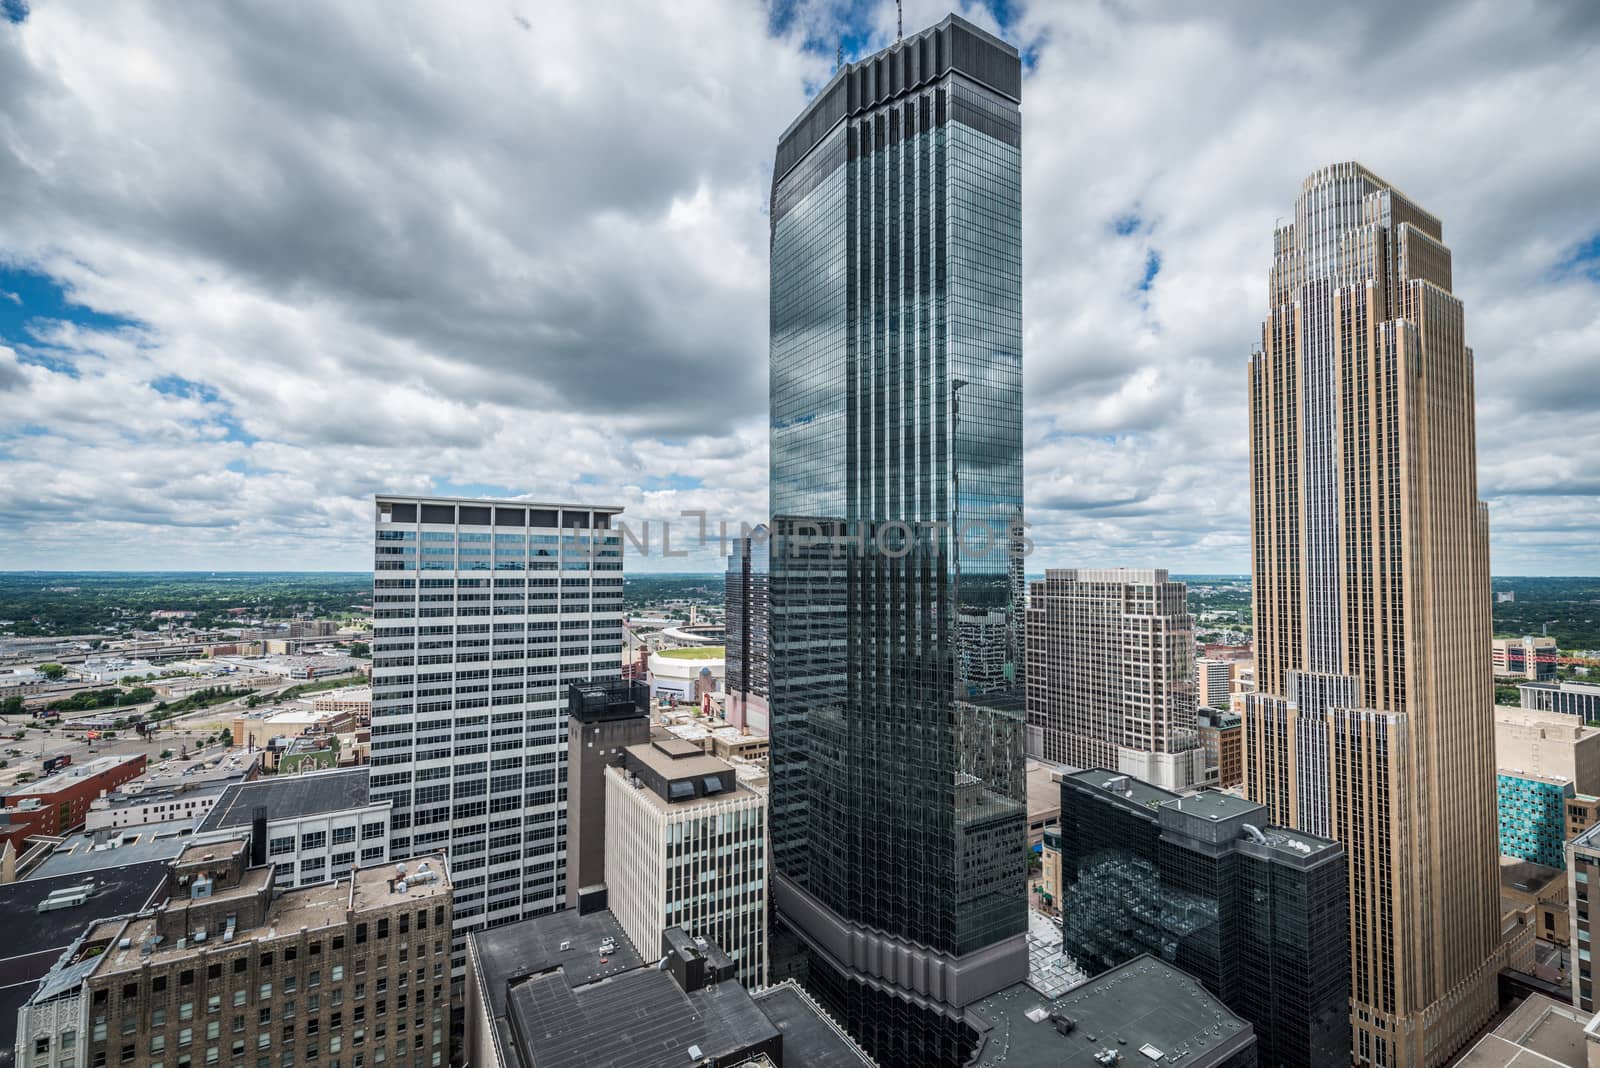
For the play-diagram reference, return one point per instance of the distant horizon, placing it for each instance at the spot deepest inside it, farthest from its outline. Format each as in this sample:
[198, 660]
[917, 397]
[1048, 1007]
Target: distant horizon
[626, 574]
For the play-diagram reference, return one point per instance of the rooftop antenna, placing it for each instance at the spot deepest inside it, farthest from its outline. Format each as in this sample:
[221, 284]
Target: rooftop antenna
[838, 57]
[899, 20]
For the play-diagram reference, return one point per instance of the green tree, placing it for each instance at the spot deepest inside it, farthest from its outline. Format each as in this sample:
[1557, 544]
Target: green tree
[52, 671]
[361, 649]
[12, 706]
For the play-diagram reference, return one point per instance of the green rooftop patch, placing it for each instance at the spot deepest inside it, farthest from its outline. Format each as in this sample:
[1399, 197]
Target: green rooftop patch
[695, 652]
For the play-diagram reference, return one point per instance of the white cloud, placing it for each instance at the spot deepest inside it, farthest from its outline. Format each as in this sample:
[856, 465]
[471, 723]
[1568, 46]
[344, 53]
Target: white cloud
[389, 247]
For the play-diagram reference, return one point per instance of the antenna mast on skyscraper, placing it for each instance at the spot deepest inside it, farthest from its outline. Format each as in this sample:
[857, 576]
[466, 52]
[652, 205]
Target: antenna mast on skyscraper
[838, 58]
[899, 20]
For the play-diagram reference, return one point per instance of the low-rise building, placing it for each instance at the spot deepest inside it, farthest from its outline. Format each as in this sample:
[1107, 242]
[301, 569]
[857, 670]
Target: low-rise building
[1545, 760]
[1581, 699]
[667, 1005]
[172, 790]
[1525, 658]
[21, 681]
[256, 728]
[1044, 798]
[59, 802]
[294, 666]
[137, 807]
[116, 668]
[1222, 738]
[686, 846]
[228, 969]
[37, 936]
[1541, 888]
[1047, 884]
[1539, 1033]
[356, 700]
[319, 825]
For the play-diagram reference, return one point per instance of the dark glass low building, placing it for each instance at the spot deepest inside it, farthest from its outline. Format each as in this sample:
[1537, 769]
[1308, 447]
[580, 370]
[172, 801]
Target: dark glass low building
[1258, 914]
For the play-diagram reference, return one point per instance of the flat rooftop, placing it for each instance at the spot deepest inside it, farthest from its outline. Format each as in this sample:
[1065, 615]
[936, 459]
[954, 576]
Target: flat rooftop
[310, 907]
[83, 854]
[530, 947]
[810, 1037]
[290, 797]
[1141, 1007]
[157, 791]
[548, 986]
[642, 1019]
[1539, 1033]
[1134, 791]
[70, 776]
[1524, 876]
[37, 939]
[1216, 805]
[663, 757]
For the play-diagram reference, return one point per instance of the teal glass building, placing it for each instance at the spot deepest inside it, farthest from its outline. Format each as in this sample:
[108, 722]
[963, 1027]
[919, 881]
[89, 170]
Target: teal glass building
[1533, 818]
[897, 782]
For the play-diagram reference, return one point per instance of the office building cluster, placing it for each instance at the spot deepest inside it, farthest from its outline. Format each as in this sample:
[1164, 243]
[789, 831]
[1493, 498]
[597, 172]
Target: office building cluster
[812, 834]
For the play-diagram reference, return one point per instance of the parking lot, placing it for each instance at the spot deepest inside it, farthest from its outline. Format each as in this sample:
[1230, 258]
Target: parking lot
[28, 753]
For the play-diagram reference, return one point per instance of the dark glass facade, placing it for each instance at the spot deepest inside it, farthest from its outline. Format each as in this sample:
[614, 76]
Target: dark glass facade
[1258, 914]
[746, 588]
[897, 785]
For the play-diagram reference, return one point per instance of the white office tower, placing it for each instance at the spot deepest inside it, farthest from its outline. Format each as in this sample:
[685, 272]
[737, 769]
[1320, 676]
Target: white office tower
[686, 846]
[483, 613]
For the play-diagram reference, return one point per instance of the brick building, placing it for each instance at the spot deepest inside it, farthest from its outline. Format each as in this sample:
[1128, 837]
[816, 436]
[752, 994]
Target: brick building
[59, 803]
[221, 972]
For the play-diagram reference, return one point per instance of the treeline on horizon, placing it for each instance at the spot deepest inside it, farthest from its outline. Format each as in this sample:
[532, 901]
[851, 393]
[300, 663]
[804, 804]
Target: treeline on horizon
[54, 603]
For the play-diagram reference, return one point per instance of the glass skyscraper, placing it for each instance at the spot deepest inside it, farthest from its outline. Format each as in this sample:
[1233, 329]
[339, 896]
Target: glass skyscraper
[897, 811]
[1259, 914]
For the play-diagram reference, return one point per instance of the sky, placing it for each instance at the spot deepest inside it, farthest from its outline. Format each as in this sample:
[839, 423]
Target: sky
[262, 261]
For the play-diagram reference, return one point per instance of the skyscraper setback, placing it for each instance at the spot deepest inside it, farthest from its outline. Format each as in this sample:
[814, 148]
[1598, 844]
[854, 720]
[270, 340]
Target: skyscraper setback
[897, 775]
[1373, 721]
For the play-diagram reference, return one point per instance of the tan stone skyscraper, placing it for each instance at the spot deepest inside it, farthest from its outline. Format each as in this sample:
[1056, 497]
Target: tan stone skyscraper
[1374, 723]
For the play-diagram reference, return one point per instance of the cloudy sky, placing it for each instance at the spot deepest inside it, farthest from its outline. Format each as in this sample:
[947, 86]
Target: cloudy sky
[259, 261]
